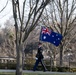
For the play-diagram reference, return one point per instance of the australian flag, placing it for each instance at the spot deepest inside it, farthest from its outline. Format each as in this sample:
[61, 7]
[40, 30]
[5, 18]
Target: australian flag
[48, 35]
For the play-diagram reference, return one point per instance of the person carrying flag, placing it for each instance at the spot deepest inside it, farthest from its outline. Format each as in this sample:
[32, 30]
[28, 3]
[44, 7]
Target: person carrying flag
[39, 58]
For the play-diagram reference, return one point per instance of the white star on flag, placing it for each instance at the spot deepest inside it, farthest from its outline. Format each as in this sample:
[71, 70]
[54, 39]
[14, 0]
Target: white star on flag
[52, 35]
[54, 42]
[58, 38]
[44, 37]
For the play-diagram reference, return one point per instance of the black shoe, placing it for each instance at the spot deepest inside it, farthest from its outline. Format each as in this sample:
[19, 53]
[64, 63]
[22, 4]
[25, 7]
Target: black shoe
[33, 70]
[45, 70]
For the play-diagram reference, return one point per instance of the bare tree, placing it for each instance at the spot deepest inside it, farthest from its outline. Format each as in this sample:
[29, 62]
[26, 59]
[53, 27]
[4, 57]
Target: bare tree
[7, 44]
[35, 9]
[60, 16]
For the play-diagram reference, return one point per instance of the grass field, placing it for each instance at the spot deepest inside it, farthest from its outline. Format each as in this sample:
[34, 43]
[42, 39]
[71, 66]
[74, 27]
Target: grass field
[37, 73]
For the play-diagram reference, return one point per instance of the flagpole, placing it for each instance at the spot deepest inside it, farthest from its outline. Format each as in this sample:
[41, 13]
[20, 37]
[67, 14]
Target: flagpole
[40, 31]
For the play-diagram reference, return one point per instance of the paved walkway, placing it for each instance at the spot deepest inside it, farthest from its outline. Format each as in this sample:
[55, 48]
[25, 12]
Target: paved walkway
[29, 71]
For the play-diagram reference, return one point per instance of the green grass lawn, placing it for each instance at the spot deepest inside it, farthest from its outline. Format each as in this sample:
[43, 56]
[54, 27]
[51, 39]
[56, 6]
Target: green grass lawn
[37, 73]
[4, 73]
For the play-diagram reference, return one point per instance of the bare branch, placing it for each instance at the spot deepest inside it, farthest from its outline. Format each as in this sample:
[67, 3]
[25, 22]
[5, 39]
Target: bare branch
[4, 7]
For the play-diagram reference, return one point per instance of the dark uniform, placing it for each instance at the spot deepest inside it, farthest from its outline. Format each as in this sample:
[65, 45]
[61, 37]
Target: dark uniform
[39, 57]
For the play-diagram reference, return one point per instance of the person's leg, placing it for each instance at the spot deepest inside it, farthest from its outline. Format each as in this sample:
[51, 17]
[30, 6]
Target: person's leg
[43, 65]
[36, 64]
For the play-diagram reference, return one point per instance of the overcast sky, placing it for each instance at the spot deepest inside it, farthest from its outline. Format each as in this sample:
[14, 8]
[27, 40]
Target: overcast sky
[7, 12]
[4, 15]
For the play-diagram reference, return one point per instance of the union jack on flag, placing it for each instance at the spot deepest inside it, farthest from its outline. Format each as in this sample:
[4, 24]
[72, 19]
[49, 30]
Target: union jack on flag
[48, 35]
[46, 31]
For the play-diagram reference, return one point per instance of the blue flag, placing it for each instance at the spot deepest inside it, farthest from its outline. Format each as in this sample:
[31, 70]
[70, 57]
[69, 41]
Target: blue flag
[48, 35]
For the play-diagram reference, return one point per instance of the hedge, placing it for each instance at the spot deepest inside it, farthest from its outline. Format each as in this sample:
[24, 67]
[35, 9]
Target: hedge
[40, 68]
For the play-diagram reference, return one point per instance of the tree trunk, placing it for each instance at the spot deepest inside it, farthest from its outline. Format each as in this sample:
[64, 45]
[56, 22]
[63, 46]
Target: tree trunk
[19, 61]
[61, 55]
